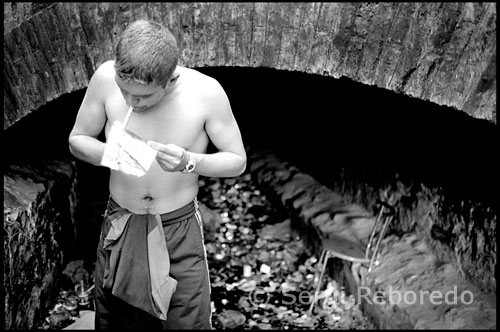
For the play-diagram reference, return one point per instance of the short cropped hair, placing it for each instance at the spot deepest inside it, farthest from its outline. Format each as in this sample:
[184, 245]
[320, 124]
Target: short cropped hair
[146, 53]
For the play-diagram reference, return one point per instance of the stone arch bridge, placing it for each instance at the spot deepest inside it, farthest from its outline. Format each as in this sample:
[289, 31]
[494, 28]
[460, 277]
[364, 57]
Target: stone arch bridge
[441, 52]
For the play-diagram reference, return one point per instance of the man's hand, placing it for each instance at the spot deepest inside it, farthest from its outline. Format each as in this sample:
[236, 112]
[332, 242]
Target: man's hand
[170, 157]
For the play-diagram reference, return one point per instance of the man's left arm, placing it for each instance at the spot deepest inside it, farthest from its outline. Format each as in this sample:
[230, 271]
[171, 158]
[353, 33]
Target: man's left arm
[224, 133]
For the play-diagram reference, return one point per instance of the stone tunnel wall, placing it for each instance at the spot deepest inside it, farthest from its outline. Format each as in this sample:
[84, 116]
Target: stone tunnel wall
[416, 267]
[39, 227]
[458, 230]
[442, 52]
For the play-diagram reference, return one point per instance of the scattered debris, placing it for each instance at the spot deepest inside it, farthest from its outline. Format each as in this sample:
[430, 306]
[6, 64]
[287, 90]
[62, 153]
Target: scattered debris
[71, 304]
[262, 274]
[231, 319]
[280, 231]
[262, 271]
[76, 271]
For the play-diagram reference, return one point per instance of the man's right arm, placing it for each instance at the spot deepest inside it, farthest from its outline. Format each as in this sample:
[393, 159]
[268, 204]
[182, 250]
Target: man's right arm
[90, 120]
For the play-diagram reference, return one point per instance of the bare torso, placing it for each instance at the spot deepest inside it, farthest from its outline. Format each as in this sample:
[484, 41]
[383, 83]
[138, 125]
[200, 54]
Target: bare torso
[178, 118]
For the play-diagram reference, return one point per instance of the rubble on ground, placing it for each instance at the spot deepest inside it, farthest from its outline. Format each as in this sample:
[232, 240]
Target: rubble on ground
[262, 274]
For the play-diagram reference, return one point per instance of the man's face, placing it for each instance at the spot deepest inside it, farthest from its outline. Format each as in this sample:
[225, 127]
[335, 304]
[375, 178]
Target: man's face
[140, 96]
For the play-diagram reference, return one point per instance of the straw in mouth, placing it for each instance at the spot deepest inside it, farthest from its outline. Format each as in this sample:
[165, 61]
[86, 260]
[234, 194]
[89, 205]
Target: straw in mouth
[127, 117]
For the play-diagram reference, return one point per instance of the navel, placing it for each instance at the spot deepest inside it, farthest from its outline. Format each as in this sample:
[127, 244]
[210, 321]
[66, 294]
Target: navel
[147, 203]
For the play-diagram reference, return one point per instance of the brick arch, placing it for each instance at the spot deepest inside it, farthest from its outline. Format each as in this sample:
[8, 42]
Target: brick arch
[442, 52]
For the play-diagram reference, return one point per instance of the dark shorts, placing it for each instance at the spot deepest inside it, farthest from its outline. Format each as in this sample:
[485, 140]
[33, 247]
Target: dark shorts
[190, 304]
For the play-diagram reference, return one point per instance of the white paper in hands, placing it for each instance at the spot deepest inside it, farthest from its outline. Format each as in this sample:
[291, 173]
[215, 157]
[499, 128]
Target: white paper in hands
[127, 153]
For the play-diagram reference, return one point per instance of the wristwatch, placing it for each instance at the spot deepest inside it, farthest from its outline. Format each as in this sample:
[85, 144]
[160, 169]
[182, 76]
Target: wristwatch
[190, 166]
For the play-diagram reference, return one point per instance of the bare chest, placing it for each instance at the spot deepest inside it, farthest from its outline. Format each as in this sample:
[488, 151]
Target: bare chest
[179, 121]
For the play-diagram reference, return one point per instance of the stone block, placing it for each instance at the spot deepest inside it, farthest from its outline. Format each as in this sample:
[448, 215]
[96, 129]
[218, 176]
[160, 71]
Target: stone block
[288, 47]
[254, 163]
[299, 201]
[321, 219]
[307, 32]
[290, 189]
[274, 26]
[313, 208]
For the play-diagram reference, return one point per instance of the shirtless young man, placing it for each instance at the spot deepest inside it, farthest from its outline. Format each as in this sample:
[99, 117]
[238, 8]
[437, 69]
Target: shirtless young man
[178, 111]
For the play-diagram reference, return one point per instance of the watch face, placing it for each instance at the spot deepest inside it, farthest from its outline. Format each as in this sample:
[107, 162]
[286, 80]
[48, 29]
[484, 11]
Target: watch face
[190, 166]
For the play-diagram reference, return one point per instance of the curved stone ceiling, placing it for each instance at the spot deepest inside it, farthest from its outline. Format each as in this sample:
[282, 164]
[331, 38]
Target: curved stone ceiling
[441, 52]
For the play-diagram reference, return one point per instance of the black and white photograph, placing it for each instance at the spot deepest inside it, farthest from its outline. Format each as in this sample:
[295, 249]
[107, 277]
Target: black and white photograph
[250, 165]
